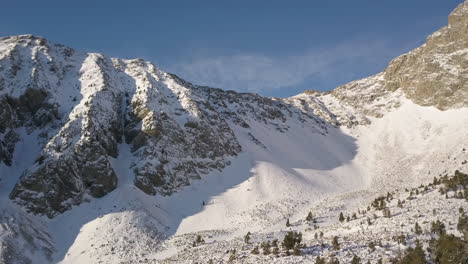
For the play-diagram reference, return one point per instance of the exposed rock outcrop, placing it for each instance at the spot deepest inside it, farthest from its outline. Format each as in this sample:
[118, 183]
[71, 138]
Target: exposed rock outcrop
[436, 74]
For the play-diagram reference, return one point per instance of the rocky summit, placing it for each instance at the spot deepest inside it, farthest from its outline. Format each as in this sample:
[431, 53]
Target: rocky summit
[107, 160]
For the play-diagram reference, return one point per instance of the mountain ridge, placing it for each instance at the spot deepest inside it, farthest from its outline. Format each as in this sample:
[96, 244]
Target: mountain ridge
[89, 143]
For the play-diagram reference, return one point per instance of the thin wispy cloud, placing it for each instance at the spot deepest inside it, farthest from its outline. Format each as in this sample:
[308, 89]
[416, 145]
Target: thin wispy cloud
[260, 73]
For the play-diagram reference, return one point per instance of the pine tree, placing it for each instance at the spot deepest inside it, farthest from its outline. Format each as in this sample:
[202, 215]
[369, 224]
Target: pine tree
[297, 251]
[417, 229]
[382, 204]
[309, 217]
[341, 218]
[291, 239]
[372, 246]
[266, 248]
[233, 255]
[319, 260]
[275, 243]
[275, 251]
[401, 239]
[287, 223]
[387, 213]
[438, 228]
[449, 249]
[247, 238]
[414, 255]
[199, 239]
[255, 251]
[335, 244]
[356, 260]
[462, 225]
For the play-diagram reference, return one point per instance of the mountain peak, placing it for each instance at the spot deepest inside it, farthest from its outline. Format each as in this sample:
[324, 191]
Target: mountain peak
[459, 16]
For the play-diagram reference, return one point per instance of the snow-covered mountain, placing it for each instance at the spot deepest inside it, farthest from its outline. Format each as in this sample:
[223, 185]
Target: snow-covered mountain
[104, 160]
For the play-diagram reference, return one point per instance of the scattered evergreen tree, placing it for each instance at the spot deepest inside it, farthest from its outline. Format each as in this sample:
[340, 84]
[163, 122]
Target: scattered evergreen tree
[417, 229]
[372, 246]
[414, 255]
[356, 260]
[335, 243]
[401, 239]
[198, 241]
[310, 217]
[274, 243]
[379, 203]
[438, 228]
[287, 223]
[348, 218]
[275, 251]
[266, 248]
[319, 260]
[315, 236]
[255, 251]
[462, 225]
[247, 238]
[333, 261]
[291, 239]
[341, 217]
[387, 213]
[297, 251]
[400, 204]
[354, 216]
[449, 249]
[321, 234]
[232, 257]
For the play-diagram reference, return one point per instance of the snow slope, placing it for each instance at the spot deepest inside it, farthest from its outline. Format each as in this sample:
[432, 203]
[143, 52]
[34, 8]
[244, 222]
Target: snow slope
[264, 187]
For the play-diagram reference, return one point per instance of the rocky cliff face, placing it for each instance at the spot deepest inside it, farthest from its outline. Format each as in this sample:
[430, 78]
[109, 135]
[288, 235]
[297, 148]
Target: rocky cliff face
[436, 73]
[81, 108]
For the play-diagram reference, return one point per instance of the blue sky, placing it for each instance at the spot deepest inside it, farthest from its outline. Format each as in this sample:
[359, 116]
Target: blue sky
[275, 48]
